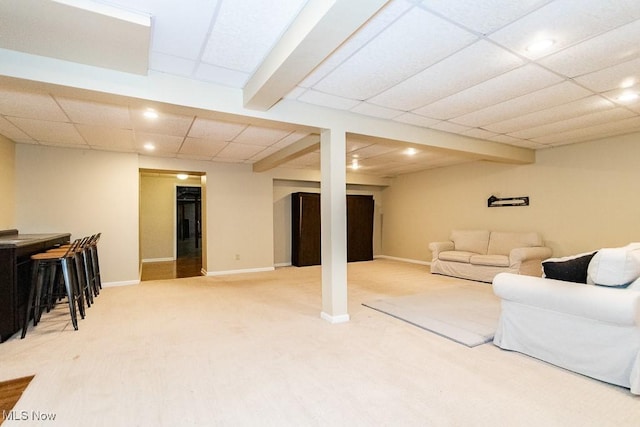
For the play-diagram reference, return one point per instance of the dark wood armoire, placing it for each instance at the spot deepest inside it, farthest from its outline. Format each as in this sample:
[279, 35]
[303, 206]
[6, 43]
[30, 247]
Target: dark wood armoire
[305, 228]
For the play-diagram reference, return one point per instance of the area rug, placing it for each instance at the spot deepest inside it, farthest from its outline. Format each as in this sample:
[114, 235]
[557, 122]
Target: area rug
[10, 392]
[466, 314]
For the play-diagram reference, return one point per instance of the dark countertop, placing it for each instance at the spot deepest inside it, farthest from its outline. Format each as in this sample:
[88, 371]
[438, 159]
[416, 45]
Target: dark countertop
[16, 240]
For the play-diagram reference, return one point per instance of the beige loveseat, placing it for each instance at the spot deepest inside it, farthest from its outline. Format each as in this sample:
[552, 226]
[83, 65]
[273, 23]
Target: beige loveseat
[481, 254]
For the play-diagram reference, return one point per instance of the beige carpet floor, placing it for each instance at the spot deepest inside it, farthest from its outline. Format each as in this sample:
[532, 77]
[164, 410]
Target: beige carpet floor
[251, 350]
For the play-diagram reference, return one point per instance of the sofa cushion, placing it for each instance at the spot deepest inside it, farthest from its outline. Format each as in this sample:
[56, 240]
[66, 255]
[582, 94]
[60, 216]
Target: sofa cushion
[457, 256]
[615, 266]
[494, 260]
[471, 240]
[501, 242]
[570, 268]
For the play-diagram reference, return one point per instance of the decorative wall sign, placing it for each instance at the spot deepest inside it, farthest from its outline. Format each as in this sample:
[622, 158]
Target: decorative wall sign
[496, 202]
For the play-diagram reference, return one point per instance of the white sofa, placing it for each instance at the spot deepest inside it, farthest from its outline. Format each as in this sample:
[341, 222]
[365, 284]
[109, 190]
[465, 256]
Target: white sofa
[481, 254]
[590, 329]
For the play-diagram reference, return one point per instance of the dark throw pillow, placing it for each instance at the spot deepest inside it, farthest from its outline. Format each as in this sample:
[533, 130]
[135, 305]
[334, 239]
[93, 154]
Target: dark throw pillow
[569, 270]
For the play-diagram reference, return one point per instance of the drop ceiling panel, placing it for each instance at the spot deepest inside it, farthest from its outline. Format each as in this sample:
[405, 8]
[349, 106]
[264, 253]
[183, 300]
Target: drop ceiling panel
[602, 130]
[48, 132]
[41, 106]
[456, 73]
[545, 98]
[566, 22]
[170, 124]
[215, 129]
[12, 132]
[245, 30]
[108, 138]
[235, 151]
[163, 143]
[415, 119]
[95, 113]
[589, 105]
[573, 124]
[622, 75]
[257, 135]
[376, 111]
[483, 16]
[318, 98]
[512, 84]
[390, 58]
[616, 46]
[202, 147]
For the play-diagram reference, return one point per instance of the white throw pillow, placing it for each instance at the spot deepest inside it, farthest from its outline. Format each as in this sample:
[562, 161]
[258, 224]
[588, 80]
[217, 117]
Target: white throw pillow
[615, 266]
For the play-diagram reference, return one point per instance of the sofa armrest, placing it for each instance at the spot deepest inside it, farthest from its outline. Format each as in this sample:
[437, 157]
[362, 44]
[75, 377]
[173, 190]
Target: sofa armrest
[599, 303]
[524, 254]
[437, 247]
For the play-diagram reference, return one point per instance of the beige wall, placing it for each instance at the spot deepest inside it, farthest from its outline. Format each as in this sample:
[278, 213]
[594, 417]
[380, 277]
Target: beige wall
[82, 192]
[282, 190]
[238, 213]
[582, 197]
[7, 183]
[158, 215]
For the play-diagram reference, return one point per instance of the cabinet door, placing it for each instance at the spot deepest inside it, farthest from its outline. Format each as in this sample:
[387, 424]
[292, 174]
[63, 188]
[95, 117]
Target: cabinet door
[359, 228]
[305, 233]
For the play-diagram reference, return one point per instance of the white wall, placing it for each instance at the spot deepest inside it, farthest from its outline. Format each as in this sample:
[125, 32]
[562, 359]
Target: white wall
[82, 192]
[582, 197]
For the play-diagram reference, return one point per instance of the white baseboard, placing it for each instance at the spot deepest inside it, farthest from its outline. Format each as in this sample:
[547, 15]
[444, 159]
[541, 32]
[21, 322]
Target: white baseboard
[412, 261]
[124, 283]
[343, 318]
[158, 259]
[248, 270]
[282, 264]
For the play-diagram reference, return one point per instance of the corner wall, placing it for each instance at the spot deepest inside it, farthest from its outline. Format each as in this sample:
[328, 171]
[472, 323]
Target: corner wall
[82, 192]
[7, 183]
[582, 197]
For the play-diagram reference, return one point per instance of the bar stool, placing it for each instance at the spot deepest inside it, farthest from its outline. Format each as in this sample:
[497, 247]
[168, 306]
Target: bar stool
[96, 281]
[82, 272]
[45, 266]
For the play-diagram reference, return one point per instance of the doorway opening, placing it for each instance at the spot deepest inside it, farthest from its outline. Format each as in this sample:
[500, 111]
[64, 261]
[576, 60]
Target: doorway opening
[172, 224]
[188, 231]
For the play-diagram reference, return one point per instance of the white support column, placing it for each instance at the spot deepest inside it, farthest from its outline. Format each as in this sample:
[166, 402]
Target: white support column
[333, 217]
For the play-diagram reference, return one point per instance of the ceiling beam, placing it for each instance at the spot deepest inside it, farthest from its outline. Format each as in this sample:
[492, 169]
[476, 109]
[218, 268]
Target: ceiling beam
[320, 28]
[299, 148]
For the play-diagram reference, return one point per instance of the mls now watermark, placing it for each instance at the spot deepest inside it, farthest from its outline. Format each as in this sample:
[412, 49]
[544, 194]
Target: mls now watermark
[28, 416]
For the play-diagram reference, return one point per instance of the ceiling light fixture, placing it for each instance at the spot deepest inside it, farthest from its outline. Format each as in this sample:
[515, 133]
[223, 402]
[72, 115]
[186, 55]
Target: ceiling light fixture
[149, 146]
[150, 113]
[410, 151]
[627, 97]
[540, 45]
[627, 83]
[182, 176]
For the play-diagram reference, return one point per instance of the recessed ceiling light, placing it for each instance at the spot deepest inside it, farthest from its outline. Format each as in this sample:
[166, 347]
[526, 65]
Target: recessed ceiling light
[540, 45]
[627, 83]
[149, 146]
[410, 151]
[182, 176]
[150, 113]
[627, 97]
